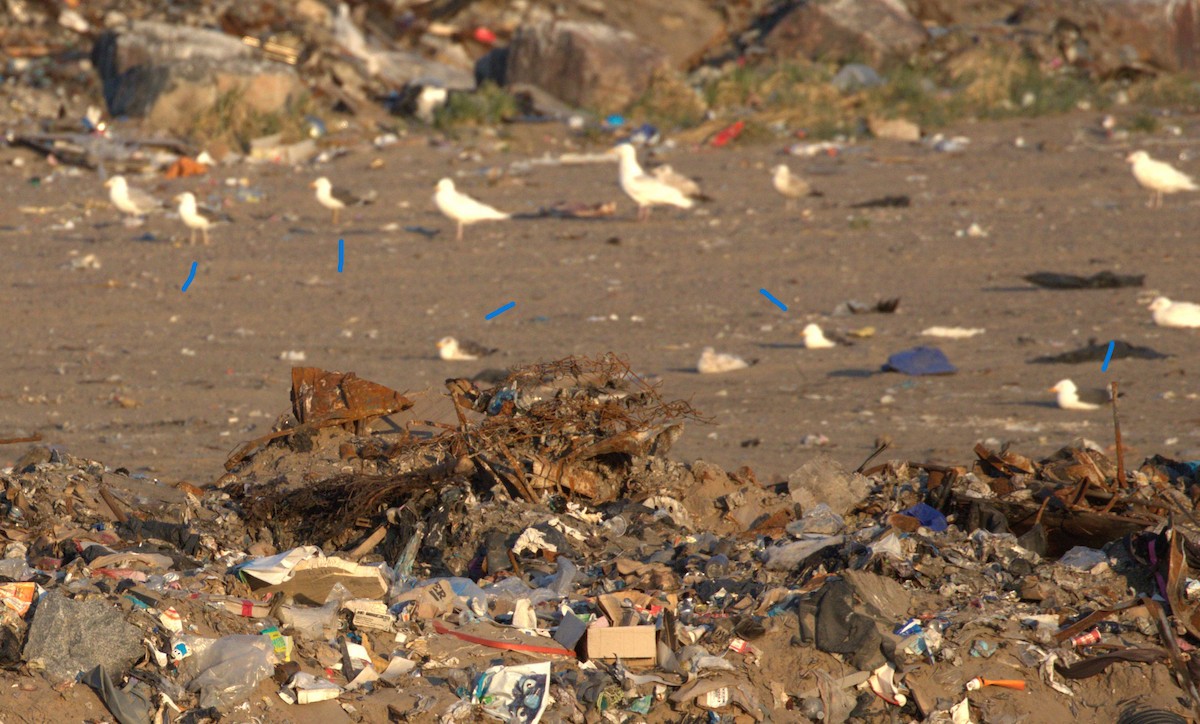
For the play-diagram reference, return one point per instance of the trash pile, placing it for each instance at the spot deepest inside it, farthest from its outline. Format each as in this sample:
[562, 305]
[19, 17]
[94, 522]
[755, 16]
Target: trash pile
[283, 74]
[526, 549]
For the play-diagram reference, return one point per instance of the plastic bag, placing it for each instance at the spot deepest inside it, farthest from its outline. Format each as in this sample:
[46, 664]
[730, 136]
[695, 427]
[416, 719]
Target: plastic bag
[230, 668]
[318, 623]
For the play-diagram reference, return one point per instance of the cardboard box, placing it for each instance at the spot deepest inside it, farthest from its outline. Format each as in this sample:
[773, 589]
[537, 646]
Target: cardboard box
[628, 642]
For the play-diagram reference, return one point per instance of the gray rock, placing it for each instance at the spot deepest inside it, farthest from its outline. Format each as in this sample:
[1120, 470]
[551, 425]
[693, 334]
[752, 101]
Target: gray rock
[824, 480]
[590, 65]
[167, 74]
[854, 76]
[875, 30]
[68, 637]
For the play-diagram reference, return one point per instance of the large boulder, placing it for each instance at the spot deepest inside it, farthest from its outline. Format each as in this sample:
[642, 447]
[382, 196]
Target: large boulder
[683, 29]
[1107, 35]
[69, 637]
[876, 31]
[168, 74]
[590, 65]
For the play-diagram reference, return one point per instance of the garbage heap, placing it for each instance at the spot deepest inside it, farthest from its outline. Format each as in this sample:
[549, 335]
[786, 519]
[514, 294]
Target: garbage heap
[526, 550]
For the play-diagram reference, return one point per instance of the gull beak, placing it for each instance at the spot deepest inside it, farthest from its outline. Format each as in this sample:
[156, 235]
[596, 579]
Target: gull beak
[312, 185]
[108, 184]
[1053, 389]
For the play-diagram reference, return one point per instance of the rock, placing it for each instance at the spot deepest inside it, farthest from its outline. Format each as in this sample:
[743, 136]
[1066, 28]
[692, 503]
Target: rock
[1109, 35]
[585, 64]
[683, 29]
[68, 637]
[896, 129]
[854, 76]
[874, 30]
[168, 74]
[399, 68]
[824, 480]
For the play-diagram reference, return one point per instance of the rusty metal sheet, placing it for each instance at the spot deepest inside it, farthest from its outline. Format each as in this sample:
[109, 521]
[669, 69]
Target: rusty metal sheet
[319, 396]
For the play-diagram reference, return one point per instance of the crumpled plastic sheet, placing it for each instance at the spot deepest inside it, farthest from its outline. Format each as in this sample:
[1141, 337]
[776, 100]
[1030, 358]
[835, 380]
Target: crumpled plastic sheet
[230, 668]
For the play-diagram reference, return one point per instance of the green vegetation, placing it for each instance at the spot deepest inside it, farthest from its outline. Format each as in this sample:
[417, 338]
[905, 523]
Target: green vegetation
[987, 82]
[490, 105]
[237, 123]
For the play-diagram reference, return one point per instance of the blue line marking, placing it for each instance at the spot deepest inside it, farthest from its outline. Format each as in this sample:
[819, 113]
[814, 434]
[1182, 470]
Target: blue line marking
[1111, 346]
[501, 310]
[774, 301]
[191, 276]
[341, 254]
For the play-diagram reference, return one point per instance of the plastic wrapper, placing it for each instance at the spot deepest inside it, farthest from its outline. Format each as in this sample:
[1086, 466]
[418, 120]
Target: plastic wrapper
[229, 669]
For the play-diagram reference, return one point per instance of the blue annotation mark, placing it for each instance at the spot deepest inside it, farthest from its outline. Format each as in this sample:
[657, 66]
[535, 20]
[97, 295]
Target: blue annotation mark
[191, 276]
[341, 254]
[774, 301]
[1111, 346]
[501, 310]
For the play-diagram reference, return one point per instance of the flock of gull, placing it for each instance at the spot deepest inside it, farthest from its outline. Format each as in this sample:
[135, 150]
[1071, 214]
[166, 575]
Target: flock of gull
[663, 186]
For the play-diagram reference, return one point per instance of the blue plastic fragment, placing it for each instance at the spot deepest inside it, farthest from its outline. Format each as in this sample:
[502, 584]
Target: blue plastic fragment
[920, 361]
[929, 517]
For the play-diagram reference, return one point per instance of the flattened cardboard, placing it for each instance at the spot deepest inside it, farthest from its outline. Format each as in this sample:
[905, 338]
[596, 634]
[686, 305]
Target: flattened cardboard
[630, 643]
[312, 579]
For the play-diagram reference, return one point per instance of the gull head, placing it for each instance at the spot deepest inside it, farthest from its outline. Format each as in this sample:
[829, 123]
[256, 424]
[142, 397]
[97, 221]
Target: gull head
[1137, 157]
[1064, 387]
[781, 171]
[445, 185]
[1159, 304]
[321, 184]
[812, 330]
[116, 182]
[447, 347]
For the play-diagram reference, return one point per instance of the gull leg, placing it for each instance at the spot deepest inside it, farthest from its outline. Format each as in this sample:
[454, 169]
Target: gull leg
[335, 216]
[204, 231]
[458, 236]
[191, 237]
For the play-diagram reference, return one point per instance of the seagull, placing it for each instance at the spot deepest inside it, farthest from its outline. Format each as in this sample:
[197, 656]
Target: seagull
[712, 362]
[192, 217]
[814, 338]
[450, 348]
[335, 198]
[1161, 178]
[1175, 314]
[130, 200]
[788, 184]
[646, 191]
[462, 208]
[1071, 398]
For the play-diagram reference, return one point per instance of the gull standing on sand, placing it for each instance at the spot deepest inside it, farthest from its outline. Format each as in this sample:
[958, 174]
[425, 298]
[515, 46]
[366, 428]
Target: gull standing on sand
[1070, 397]
[645, 190]
[1175, 314]
[335, 198]
[814, 338]
[712, 362]
[192, 217]
[1161, 178]
[788, 184]
[450, 348]
[463, 209]
[130, 200]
